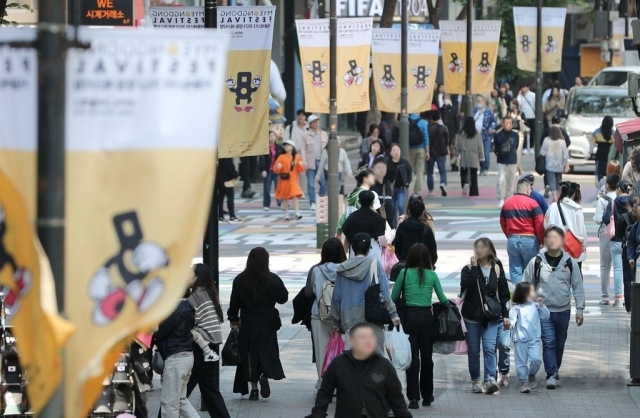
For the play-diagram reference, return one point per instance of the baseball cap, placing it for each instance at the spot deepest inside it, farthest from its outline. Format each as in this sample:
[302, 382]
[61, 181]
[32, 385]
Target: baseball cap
[289, 142]
[312, 118]
[528, 177]
[361, 237]
[366, 198]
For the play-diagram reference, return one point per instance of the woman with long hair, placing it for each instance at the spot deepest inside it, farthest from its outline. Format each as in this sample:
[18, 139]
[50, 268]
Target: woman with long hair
[321, 277]
[554, 149]
[471, 154]
[376, 150]
[554, 104]
[288, 166]
[483, 282]
[252, 307]
[372, 134]
[207, 339]
[417, 282]
[631, 172]
[567, 214]
[604, 138]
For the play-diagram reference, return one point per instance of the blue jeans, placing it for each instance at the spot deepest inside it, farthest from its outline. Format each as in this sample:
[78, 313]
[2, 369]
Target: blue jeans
[272, 178]
[399, 199]
[484, 165]
[521, 249]
[442, 169]
[503, 343]
[311, 185]
[475, 333]
[554, 335]
[528, 360]
[616, 260]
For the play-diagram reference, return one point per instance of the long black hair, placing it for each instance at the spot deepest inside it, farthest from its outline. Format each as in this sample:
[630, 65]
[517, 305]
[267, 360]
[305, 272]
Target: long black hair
[256, 274]
[571, 190]
[419, 258]
[204, 280]
[635, 159]
[469, 127]
[332, 251]
[521, 293]
[624, 186]
[632, 205]
[606, 129]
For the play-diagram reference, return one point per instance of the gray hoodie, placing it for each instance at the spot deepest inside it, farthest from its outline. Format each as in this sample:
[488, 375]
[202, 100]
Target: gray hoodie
[556, 287]
[317, 275]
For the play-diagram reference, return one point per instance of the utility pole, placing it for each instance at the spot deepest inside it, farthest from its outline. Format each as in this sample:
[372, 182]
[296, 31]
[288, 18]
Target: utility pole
[610, 32]
[468, 99]
[539, 114]
[404, 115]
[52, 45]
[333, 150]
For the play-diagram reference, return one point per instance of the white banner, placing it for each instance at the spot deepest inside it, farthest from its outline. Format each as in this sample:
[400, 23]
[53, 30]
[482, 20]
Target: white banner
[177, 17]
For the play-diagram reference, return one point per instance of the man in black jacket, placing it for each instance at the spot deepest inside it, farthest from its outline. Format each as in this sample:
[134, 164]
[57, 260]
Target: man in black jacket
[366, 384]
[506, 142]
[412, 231]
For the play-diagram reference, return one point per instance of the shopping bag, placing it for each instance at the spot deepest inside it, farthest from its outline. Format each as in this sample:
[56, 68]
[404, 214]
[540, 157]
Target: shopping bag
[231, 350]
[335, 347]
[397, 345]
[446, 348]
[461, 346]
[448, 323]
[375, 310]
[389, 259]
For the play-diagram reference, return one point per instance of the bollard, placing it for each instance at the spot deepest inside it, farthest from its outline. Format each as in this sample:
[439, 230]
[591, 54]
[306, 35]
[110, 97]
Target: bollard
[634, 349]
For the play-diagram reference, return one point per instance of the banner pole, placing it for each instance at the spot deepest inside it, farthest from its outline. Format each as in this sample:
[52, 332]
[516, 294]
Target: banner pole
[404, 116]
[51, 45]
[468, 100]
[332, 146]
[539, 114]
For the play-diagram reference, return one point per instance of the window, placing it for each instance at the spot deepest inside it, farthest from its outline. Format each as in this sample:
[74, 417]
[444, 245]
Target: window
[602, 104]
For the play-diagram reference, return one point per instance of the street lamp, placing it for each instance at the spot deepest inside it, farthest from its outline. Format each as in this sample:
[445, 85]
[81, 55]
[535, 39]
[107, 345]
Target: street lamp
[404, 115]
[539, 115]
[468, 100]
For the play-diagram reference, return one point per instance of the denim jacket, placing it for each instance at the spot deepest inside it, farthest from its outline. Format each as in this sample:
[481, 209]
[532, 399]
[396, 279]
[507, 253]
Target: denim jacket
[489, 123]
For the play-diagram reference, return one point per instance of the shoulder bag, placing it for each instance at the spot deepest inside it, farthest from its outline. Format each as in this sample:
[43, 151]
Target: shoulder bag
[374, 309]
[490, 304]
[572, 244]
[287, 176]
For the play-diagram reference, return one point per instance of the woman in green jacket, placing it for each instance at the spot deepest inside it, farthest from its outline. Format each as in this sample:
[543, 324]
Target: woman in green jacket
[417, 282]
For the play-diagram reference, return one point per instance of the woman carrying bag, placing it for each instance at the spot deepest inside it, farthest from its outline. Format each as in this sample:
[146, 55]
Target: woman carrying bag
[289, 166]
[567, 214]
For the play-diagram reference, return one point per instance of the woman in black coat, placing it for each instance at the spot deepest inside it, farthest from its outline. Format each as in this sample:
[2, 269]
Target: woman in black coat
[254, 295]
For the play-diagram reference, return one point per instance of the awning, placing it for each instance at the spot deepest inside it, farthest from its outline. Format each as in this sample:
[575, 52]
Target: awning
[626, 129]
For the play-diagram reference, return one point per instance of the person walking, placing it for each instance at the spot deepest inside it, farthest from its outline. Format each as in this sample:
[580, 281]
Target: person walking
[364, 382]
[254, 295]
[483, 282]
[354, 277]
[344, 169]
[207, 339]
[632, 249]
[225, 181]
[618, 207]
[556, 160]
[522, 222]
[525, 316]
[372, 135]
[247, 168]
[554, 105]
[413, 231]
[471, 156]
[631, 171]
[506, 147]
[526, 100]
[367, 220]
[297, 131]
[540, 200]
[485, 122]
[556, 276]
[604, 139]
[313, 143]
[399, 173]
[320, 282]
[605, 242]
[555, 121]
[450, 120]
[439, 147]
[364, 181]
[376, 150]
[288, 166]
[270, 177]
[384, 190]
[416, 283]
[418, 149]
[567, 214]
[174, 341]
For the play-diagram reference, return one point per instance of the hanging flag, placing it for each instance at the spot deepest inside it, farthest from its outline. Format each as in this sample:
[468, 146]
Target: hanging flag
[525, 22]
[142, 119]
[352, 64]
[25, 275]
[486, 38]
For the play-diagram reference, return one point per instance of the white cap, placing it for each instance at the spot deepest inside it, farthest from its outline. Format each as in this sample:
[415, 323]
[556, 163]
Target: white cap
[312, 118]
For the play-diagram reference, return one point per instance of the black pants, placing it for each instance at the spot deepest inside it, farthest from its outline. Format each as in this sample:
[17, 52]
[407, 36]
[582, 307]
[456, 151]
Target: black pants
[419, 326]
[531, 123]
[628, 277]
[470, 176]
[227, 192]
[202, 374]
[248, 167]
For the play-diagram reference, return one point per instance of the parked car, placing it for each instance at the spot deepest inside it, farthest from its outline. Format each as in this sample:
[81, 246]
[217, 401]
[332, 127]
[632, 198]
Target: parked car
[584, 109]
[613, 76]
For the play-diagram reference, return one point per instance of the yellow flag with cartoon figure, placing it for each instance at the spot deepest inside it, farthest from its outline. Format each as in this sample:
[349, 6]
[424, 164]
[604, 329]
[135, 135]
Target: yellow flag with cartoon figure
[525, 22]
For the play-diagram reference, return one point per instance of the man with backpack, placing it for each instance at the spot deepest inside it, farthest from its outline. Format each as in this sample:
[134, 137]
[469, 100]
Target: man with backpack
[439, 147]
[418, 148]
[605, 242]
[556, 276]
[506, 148]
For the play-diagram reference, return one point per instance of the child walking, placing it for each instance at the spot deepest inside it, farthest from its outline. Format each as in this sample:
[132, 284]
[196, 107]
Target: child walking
[525, 316]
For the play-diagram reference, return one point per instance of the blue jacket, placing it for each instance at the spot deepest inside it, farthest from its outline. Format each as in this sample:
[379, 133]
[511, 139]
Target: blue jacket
[633, 243]
[502, 137]
[424, 127]
[525, 321]
[541, 200]
[489, 123]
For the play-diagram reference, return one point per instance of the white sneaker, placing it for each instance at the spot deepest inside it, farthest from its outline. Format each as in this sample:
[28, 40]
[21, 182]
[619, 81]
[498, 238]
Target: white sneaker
[312, 207]
[525, 388]
[552, 383]
[266, 209]
[501, 203]
[476, 387]
[286, 216]
[211, 355]
[465, 190]
[298, 216]
[503, 380]
[533, 383]
[234, 220]
[491, 386]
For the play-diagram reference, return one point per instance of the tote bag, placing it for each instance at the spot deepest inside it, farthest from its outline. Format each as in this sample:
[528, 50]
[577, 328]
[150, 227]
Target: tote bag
[572, 244]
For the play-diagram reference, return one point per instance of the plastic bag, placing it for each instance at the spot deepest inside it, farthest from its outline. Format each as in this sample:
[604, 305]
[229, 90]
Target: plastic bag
[397, 344]
[448, 323]
[335, 347]
[461, 348]
[448, 347]
[389, 259]
[231, 350]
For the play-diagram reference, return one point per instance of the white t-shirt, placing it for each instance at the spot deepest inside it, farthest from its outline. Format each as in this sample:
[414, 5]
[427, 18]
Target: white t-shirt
[527, 103]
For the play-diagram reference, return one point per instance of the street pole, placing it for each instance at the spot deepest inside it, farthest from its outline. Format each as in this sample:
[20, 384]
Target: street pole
[332, 147]
[539, 114]
[404, 115]
[52, 45]
[468, 100]
[610, 32]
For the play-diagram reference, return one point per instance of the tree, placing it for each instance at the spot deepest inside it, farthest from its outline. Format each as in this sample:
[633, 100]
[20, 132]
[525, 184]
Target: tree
[4, 21]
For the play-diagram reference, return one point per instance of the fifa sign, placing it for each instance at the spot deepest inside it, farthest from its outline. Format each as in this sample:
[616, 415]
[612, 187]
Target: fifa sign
[373, 8]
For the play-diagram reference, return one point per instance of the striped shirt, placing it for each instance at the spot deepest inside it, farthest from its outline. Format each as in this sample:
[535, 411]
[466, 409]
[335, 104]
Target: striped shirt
[207, 323]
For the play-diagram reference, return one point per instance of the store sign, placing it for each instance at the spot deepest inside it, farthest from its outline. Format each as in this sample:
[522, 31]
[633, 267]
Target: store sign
[177, 17]
[372, 8]
[107, 13]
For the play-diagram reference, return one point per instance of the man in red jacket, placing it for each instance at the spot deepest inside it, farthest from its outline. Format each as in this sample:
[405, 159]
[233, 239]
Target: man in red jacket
[522, 221]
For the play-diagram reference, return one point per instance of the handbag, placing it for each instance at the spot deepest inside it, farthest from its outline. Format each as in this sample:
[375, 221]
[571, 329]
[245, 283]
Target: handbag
[572, 244]
[541, 165]
[157, 362]
[610, 230]
[490, 305]
[374, 309]
[231, 351]
[448, 323]
[287, 176]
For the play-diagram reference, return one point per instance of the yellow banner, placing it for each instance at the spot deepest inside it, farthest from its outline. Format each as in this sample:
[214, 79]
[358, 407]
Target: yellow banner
[486, 37]
[138, 190]
[422, 65]
[525, 20]
[352, 64]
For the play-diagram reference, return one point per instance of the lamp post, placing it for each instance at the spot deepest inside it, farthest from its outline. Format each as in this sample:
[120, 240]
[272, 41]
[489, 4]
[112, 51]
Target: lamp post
[539, 115]
[468, 99]
[332, 147]
[404, 116]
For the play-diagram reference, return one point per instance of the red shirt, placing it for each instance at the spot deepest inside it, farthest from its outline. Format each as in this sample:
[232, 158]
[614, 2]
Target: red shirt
[521, 215]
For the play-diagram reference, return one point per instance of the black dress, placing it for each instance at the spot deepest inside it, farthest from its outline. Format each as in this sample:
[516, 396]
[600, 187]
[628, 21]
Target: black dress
[259, 325]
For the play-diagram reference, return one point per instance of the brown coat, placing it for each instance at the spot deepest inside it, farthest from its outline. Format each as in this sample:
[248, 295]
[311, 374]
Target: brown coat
[471, 151]
[308, 148]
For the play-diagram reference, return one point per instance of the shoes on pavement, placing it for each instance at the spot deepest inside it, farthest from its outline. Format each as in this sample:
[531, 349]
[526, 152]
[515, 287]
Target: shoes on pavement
[491, 386]
[501, 203]
[443, 189]
[265, 390]
[428, 402]
[465, 190]
[266, 209]
[298, 216]
[222, 220]
[604, 301]
[524, 388]
[503, 380]
[618, 301]
[552, 383]
[414, 405]
[476, 387]
[547, 191]
[318, 383]
[234, 220]
[254, 395]
[248, 193]
[312, 207]
[532, 382]
[286, 216]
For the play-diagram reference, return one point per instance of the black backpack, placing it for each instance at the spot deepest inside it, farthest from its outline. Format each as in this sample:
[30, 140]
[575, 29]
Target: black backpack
[630, 224]
[415, 133]
[538, 266]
